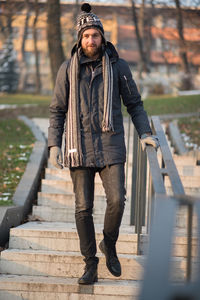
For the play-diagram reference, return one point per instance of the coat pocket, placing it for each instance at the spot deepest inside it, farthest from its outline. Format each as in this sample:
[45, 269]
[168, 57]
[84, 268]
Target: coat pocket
[127, 85]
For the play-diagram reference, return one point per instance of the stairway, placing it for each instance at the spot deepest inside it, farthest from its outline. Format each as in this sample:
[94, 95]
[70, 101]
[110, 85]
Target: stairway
[43, 260]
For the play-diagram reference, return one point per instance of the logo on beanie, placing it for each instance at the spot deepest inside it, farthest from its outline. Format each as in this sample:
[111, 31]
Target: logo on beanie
[86, 19]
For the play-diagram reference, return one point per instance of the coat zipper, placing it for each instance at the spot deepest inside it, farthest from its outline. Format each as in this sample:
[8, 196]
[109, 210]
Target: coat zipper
[92, 77]
[127, 85]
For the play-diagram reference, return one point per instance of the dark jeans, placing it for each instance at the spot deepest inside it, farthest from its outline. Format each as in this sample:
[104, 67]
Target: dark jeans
[113, 182]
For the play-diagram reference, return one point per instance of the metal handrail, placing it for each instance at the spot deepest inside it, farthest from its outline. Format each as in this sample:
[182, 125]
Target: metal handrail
[167, 159]
[161, 211]
[157, 173]
[156, 283]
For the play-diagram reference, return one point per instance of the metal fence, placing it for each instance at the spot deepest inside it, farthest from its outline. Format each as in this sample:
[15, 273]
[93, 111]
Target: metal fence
[156, 283]
[153, 207]
[141, 203]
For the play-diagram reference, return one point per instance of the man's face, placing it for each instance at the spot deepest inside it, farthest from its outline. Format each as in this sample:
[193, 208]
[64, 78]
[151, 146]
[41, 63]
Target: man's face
[91, 43]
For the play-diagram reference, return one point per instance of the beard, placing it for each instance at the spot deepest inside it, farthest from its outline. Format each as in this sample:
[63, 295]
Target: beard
[92, 52]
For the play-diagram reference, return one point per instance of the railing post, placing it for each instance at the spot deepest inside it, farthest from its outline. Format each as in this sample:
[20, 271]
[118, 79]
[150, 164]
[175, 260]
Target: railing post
[157, 283]
[189, 242]
[151, 194]
[143, 185]
[127, 151]
[134, 177]
[138, 185]
[157, 266]
[138, 192]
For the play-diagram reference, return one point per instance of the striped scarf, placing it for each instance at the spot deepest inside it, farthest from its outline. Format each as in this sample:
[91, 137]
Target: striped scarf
[74, 156]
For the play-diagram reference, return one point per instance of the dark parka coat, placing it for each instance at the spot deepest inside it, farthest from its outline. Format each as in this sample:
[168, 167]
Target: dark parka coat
[99, 148]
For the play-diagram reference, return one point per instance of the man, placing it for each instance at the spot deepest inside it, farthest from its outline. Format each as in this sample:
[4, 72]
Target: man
[88, 91]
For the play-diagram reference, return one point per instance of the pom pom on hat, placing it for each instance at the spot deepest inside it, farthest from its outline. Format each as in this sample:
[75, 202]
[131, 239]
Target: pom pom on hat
[86, 7]
[86, 19]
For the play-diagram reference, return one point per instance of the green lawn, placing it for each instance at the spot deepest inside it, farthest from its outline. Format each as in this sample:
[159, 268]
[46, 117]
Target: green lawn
[21, 99]
[16, 146]
[157, 105]
[172, 105]
[17, 139]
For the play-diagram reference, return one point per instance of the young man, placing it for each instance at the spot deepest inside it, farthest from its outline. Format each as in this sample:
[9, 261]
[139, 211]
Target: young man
[88, 94]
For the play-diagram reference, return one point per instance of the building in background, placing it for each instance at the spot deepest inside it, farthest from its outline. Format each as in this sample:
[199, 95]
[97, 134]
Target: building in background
[159, 35]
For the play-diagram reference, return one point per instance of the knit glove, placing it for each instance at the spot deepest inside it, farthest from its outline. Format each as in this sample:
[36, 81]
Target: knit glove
[56, 157]
[151, 140]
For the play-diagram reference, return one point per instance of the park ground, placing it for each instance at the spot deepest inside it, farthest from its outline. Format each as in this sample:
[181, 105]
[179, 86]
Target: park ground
[17, 140]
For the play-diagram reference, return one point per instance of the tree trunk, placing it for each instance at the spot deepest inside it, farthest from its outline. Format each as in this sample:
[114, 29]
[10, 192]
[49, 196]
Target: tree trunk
[148, 37]
[23, 64]
[143, 58]
[37, 66]
[25, 29]
[7, 15]
[54, 37]
[187, 84]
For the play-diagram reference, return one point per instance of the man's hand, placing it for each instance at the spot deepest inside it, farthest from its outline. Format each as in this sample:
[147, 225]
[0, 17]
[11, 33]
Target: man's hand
[151, 140]
[56, 157]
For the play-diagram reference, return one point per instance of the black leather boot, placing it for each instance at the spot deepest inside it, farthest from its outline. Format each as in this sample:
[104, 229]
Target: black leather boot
[90, 275]
[112, 261]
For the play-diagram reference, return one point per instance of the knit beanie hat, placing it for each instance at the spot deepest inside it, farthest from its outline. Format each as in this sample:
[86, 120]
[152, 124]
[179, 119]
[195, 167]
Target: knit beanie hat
[86, 19]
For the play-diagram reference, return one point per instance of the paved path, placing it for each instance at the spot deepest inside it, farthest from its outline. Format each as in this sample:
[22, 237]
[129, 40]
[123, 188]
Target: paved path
[178, 116]
[43, 124]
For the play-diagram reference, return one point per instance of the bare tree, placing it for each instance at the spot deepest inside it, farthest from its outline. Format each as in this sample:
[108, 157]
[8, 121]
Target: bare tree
[183, 49]
[7, 15]
[37, 66]
[186, 81]
[25, 33]
[139, 29]
[9, 72]
[148, 37]
[54, 36]
[24, 65]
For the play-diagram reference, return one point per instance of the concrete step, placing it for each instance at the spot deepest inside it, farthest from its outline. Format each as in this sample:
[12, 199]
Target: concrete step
[187, 181]
[64, 174]
[54, 214]
[59, 200]
[57, 236]
[66, 214]
[184, 160]
[64, 187]
[71, 265]
[189, 170]
[14, 287]
[182, 217]
[68, 200]
[191, 191]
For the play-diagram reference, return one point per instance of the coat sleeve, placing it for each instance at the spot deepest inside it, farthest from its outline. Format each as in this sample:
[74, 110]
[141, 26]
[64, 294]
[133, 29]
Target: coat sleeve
[58, 107]
[132, 99]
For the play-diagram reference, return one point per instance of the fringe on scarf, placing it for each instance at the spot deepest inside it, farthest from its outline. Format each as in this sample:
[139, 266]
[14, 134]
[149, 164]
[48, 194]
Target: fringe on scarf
[74, 151]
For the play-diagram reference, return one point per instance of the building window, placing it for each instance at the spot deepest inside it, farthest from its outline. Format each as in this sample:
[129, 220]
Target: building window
[39, 33]
[171, 22]
[15, 31]
[29, 33]
[158, 44]
[30, 58]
